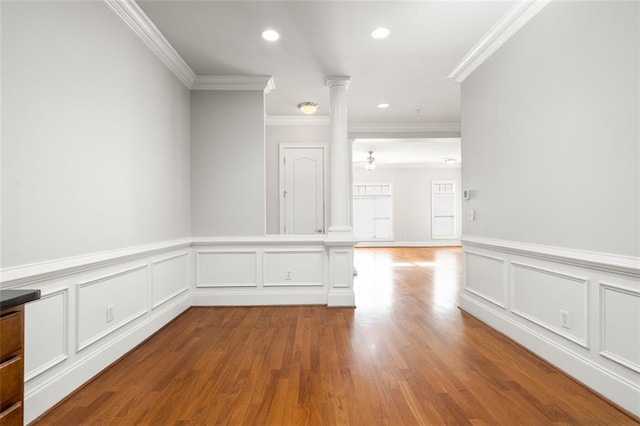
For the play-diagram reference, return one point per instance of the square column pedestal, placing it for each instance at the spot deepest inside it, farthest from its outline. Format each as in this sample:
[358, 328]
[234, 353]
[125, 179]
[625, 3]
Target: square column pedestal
[340, 253]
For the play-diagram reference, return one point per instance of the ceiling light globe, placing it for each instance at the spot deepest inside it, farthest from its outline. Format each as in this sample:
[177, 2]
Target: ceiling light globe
[308, 107]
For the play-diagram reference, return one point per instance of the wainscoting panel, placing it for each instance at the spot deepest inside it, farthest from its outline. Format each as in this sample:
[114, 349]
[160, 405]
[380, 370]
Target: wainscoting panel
[578, 310]
[227, 268]
[46, 322]
[620, 325]
[124, 292]
[341, 268]
[486, 277]
[169, 278]
[287, 268]
[532, 287]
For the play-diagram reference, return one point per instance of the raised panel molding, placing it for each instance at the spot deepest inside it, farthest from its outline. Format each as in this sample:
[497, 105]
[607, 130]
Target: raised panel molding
[278, 264]
[602, 346]
[46, 332]
[552, 297]
[233, 268]
[496, 279]
[620, 328]
[171, 281]
[90, 323]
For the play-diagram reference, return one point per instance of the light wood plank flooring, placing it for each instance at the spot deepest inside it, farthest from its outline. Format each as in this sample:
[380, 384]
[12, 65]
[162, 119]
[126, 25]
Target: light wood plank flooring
[407, 355]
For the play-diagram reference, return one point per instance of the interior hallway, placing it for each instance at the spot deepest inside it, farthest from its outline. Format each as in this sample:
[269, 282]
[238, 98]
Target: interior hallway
[406, 355]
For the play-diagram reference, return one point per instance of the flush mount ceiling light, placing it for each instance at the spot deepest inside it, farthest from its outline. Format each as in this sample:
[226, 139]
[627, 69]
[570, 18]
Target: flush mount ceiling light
[370, 164]
[383, 105]
[450, 160]
[380, 33]
[308, 107]
[270, 35]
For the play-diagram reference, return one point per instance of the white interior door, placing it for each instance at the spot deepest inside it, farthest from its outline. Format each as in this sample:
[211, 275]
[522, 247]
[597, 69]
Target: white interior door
[302, 190]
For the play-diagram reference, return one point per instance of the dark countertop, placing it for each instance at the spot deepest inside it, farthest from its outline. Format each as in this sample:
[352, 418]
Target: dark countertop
[13, 298]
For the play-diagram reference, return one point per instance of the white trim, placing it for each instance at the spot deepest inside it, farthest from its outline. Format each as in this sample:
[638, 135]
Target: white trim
[296, 120]
[602, 312]
[165, 299]
[625, 265]
[505, 288]
[37, 272]
[263, 83]
[580, 280]
[503, 30]
[274, 239]
[42, 396]
[45, 294]
[99, 336]
[139, 22]
[261, 298]
[256, 278]
[441, 243]
[618, 389]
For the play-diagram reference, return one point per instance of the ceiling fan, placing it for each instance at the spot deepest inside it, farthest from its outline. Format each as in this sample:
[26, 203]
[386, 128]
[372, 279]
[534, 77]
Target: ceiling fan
[369, 162]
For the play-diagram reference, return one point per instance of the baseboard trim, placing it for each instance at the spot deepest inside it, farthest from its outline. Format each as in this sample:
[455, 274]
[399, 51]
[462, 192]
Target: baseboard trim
[260, 298]
[442, 243]
[617, 389]
[46, 395]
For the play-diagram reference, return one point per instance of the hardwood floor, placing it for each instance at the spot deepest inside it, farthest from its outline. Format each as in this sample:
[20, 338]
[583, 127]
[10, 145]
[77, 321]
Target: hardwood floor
[406, 355]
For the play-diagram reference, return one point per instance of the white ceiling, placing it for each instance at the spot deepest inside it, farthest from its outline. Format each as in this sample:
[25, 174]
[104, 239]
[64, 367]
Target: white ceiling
[408, 152]
[319, 38]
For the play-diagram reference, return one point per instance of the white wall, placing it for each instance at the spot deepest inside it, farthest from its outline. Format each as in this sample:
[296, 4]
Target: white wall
[95, 158]
[285, 134]
[228, 163]
[550, 143]
[411, 193]
[550, 131]
[95, 135]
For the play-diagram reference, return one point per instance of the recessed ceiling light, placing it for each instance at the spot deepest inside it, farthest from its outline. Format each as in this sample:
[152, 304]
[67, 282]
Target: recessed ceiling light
[383, 106]
[270, 35]
[380, 33]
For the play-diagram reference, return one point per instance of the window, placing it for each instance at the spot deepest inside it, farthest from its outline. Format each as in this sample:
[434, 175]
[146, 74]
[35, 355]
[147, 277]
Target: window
[443, 210]
[372, 212]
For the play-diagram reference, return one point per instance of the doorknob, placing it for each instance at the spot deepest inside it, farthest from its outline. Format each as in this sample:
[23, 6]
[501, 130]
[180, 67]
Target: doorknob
[319, 231]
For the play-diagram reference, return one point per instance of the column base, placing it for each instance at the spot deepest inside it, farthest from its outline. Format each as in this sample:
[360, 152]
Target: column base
[340, 247]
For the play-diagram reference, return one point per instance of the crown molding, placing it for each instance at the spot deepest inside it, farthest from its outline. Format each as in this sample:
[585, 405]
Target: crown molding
[296, 120]
[374, 127]
[139, 22]
[503, 30]
[263, 83]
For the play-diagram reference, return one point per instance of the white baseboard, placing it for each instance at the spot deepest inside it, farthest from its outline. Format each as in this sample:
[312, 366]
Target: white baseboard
[260, 298]
[440, 243]
[617, 389]
[47, 394]
[341, 299]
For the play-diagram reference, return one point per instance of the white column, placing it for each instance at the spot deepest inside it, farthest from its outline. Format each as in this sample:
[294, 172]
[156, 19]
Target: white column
[339, 241]
[339, 155]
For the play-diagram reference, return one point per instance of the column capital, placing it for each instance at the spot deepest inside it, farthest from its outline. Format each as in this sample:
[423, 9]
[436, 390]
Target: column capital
[338, 80]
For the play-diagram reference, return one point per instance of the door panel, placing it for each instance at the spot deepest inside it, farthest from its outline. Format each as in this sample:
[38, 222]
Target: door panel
[303, 195]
